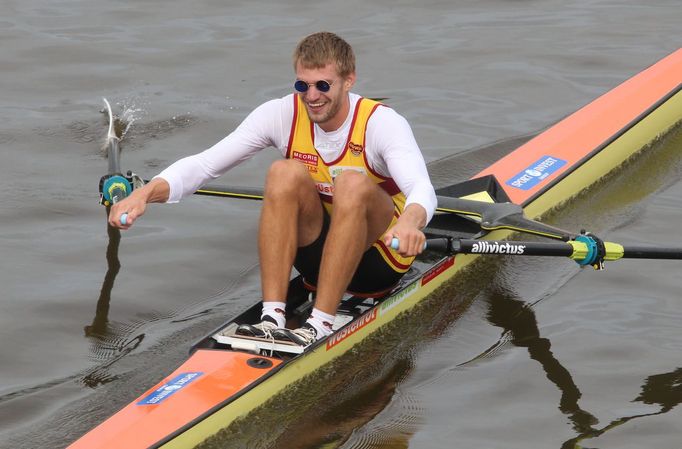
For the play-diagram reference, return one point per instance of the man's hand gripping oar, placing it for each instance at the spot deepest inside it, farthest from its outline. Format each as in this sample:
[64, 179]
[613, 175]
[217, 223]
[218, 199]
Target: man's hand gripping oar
[408, 231]
[124, 213]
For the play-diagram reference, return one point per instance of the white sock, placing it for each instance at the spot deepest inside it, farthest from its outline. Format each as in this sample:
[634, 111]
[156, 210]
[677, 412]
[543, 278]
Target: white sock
[322, 322]
[275, 309]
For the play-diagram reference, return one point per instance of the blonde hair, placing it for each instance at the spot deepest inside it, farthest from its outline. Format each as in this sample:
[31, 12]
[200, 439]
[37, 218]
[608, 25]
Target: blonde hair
[319, 49]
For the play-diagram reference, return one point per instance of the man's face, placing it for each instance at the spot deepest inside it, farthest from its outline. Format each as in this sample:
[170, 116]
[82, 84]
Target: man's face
[327, 109]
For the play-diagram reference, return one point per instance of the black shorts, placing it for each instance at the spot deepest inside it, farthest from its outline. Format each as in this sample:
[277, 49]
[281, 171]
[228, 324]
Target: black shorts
[373, 274]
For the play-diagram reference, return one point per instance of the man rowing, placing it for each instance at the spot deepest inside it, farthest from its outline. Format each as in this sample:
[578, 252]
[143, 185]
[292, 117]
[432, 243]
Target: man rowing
[353, 178]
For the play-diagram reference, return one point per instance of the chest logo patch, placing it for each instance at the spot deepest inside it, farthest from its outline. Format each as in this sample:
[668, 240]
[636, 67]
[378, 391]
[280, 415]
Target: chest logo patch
[336, 170]
[355, 149]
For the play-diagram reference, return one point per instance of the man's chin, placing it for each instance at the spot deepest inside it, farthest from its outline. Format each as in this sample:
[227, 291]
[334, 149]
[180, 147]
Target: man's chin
[318, 117]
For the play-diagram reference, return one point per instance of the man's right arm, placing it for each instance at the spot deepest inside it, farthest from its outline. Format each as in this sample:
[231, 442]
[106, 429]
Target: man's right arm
[262, 128]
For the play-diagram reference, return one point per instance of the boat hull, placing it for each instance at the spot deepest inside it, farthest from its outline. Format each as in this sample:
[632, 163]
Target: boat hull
[547, 171]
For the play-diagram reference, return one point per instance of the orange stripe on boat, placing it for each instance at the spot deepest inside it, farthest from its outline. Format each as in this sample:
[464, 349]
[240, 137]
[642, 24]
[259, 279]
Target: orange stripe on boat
[200, 384]
[571, 139]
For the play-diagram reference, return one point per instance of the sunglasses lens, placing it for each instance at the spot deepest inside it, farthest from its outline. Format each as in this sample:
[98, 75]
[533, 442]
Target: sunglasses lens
[322, 86]
[301, 86]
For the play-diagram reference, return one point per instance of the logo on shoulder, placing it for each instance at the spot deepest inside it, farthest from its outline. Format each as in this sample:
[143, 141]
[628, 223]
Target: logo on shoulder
[536, 173]
[355, 149]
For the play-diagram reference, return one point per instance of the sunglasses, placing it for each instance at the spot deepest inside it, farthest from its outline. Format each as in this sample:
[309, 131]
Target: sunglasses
[322, 85]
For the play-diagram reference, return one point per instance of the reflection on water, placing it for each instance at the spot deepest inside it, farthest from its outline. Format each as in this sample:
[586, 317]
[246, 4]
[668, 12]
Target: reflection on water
[664, 390]
[100, 322]
[326, 408]
[334, 426]
[107, 343]
[517, 320]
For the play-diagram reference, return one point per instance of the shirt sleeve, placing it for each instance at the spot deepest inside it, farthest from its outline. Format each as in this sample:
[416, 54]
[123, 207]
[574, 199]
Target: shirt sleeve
[398, 156]
[262, 128]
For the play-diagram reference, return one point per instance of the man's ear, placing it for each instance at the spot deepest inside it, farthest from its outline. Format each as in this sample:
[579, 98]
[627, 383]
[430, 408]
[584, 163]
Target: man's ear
[349, 82]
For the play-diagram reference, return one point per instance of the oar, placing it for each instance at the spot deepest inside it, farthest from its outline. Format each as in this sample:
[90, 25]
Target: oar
[114, 186]
[490, 216]
[586, 249]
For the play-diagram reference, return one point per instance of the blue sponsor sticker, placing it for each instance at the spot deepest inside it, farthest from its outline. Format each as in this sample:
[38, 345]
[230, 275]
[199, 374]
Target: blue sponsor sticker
[169, 388]
[536, 173]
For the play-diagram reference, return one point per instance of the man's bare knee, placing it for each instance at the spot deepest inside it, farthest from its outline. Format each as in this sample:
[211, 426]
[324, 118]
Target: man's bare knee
[353, 189]
[285, 176]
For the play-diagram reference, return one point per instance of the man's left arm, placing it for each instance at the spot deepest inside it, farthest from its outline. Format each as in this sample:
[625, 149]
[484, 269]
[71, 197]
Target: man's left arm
[400, 158]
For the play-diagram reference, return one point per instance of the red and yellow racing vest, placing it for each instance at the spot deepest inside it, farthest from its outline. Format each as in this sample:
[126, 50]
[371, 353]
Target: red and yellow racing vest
[302, 149]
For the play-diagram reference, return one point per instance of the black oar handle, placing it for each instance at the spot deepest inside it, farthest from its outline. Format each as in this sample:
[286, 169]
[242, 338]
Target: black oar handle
[503, 247]
[437, 243]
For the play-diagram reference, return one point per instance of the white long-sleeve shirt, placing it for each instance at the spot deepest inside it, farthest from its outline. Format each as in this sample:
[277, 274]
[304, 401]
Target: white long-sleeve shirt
[389, 145]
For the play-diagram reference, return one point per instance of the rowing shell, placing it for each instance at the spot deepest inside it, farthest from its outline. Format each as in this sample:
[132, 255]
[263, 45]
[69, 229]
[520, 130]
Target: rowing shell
[227, 377]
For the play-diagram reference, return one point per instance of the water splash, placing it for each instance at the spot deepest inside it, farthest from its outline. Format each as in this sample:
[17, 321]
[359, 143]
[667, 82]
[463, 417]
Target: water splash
[130, 112]
[133, 109]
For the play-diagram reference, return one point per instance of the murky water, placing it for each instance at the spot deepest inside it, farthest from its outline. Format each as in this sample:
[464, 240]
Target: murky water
[545, 355]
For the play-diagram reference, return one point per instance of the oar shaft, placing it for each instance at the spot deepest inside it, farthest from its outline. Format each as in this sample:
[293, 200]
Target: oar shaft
[492, 216]
[249, 193]
[651, 252]
[114, 156]
[576, 250]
